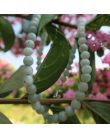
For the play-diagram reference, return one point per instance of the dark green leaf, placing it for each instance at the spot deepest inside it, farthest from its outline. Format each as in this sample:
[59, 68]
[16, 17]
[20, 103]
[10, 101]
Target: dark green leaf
[98, 119]
[4, 119]
[55, 61]
[98, 21]
[7, 33]
[14, 82]
[45, 19]
[101, 109]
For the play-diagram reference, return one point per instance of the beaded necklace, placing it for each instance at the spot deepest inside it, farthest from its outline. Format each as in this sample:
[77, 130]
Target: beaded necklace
[86, 69]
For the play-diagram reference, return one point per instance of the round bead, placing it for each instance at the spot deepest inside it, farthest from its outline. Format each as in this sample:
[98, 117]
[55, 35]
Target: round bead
[75, 104]
[85, 77]
[62, 116]
[85, 55]
[34, 22]
[31, 36]
[81, 34]
[83, 47]
[80, 96]
[27, 51]
[86, 69]
[81, 29]
[69, 111]
[31, 89]
[81, 40]
[33, 29]
[42, 109]
[84, 62]
[83, 86]
[28, 80]
[55, 118]
[28, 61]
[32, 98]
[30, 43]
[36, 105]
[28, 70]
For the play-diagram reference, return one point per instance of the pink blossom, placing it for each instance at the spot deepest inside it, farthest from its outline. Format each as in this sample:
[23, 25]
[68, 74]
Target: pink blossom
[68, 83]
[106, 59]
[69, 94]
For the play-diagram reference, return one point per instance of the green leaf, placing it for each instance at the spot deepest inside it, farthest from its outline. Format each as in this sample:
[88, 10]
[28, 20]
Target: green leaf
[101, 109]
[98, 119]
[4, 119]
[98, 21]
[7, 33]
[14, 82]
[45, 19]
[55, 61]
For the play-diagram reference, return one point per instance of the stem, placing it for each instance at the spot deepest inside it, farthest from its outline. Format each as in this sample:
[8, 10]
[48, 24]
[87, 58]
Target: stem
[64, 24]
[47, 101]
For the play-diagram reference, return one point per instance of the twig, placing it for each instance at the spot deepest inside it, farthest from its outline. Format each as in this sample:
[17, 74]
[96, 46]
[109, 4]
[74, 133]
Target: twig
[46, 101]
[64, 24]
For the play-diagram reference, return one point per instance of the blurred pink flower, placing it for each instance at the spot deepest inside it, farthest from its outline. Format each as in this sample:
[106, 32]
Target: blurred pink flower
[68, 83]
[106, 59]
[69, 94]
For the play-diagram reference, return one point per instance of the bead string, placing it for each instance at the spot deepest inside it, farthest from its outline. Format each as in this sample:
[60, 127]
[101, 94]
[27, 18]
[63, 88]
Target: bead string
[34, 98]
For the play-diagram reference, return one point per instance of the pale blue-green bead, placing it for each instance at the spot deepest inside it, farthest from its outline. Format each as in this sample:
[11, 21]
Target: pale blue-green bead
[27, 51]
[34, 22]
[75, 104]
[36, 105]
[28, 60]
[84, 62]
[42, 109]
[62, 116]
[85, 77]
[55, 118]
[81, 34]
[82, 40]
[83, 86]
[86, 69]
[30, 43]
[28, 70]
[33, 29]
[32, 89]
[69, 111]
[28, 80]
[80, 96]
[25, 25]
[32, 36]
[85, 55]
[32, 98]
[83, 47]
[81, 28]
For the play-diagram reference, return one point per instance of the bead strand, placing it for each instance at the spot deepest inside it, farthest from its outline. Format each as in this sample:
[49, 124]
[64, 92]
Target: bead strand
[34, 98]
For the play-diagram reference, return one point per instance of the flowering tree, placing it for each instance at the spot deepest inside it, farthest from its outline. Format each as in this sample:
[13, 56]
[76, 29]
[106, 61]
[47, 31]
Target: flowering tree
[59, 81]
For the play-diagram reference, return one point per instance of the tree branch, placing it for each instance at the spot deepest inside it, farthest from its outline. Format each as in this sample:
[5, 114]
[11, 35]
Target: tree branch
[64, 24]
[46, 101]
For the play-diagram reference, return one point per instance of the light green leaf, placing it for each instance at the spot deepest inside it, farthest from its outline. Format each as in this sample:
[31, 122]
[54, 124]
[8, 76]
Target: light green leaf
[98, 21]
[14, 82]
[101, 109]
[45, 19]
[4, 119]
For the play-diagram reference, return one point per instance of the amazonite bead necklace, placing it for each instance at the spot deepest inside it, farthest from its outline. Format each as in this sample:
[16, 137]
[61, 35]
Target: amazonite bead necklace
[33, 97]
